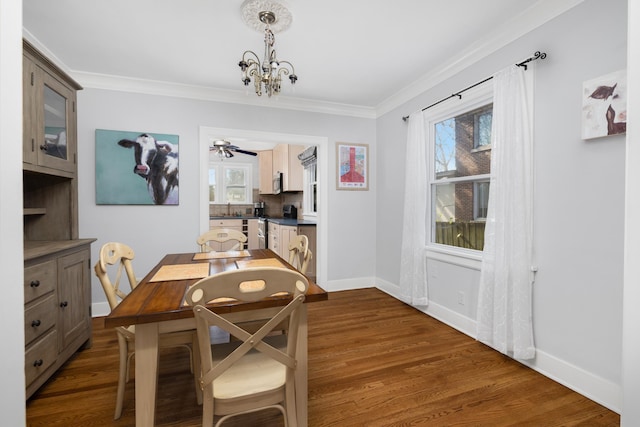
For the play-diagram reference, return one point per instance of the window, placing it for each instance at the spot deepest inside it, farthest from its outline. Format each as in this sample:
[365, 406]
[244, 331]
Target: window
[310, 164]
[460, 143]
[310, 201]
[230, 183]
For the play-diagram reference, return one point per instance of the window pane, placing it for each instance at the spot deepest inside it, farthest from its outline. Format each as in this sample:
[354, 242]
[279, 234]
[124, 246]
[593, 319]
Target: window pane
[212, 185]
[481, 196]
[454, 216]
[234, 177]
[483, 126]
[455, 144]
[445, 134]
[310, 195]
[236, 194]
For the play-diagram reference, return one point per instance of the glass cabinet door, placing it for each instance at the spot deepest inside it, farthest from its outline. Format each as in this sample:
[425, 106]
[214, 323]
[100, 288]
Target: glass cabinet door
[56, 147]
[55, 124]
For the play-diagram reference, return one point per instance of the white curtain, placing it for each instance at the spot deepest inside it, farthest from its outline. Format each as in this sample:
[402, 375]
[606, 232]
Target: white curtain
[413, 263]
[504, 316]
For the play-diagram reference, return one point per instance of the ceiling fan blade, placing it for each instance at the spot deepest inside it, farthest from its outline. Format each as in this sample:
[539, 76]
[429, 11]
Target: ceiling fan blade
[237, 150]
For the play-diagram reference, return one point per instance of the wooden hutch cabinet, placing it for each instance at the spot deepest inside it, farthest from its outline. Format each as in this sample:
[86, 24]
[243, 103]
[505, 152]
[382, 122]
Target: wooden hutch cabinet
[57, 264]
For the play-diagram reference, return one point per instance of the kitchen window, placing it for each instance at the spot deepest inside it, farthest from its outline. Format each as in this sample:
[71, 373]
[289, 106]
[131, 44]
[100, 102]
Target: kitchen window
[460, 145]
[230, 183]
[310, 195]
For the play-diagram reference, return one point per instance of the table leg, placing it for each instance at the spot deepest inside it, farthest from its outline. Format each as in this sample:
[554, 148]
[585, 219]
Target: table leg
[302, 387]
[146, 373]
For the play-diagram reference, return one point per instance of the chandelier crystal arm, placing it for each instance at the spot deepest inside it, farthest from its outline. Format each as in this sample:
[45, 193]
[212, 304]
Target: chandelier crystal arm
[270, 72]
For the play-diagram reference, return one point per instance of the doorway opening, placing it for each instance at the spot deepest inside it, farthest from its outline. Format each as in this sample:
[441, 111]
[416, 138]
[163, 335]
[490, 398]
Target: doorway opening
[259, 140]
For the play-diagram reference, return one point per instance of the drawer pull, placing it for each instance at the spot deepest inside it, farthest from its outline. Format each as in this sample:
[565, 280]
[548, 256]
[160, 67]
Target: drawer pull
[38, 362]
[34, 283]
[63, 304]
[35, 323]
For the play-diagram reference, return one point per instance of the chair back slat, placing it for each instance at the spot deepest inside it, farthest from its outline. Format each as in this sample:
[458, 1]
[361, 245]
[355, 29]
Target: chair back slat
[299, 253]
[114, 253]
[221, 235]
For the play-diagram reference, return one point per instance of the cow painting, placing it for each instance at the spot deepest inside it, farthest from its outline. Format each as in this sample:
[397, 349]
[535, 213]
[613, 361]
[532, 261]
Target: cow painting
[157, 163]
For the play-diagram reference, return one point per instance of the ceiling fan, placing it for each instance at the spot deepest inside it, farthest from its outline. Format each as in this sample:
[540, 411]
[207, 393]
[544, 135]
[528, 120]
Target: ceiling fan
[224, 149]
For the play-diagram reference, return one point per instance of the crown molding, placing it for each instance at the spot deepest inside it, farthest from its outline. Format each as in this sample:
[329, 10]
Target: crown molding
[537, 15]
[151, 87]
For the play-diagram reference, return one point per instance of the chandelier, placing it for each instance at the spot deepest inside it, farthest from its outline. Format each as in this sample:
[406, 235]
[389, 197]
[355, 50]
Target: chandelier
[270, 72]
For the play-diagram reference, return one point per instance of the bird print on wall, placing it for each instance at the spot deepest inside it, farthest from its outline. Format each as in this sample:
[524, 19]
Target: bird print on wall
[604, 108]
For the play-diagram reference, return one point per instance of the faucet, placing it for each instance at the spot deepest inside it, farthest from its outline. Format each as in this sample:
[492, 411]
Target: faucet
[228, 208]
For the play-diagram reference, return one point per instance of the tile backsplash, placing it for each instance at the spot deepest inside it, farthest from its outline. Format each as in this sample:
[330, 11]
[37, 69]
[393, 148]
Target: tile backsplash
[272, 202]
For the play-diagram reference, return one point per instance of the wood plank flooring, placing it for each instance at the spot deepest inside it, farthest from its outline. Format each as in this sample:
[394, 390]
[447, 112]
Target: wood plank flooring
[373, 361]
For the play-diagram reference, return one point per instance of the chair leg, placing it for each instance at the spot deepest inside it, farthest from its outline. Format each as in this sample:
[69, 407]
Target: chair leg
[207, 410]
[291, 414]
[197, 369]
[122, 374]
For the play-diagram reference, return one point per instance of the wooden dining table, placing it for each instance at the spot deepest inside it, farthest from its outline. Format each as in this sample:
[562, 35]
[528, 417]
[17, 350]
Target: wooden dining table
[157, 305]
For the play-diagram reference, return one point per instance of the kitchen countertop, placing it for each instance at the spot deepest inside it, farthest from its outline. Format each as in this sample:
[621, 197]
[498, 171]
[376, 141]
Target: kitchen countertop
[292, 222]
[233, 217]
[281, 221]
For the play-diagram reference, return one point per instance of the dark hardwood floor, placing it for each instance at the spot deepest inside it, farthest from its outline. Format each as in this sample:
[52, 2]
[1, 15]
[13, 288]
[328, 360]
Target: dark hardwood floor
[373, 361]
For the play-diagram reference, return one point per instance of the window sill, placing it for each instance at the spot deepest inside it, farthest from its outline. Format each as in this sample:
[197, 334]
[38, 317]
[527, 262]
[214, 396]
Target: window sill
[481, 149]
[462, 257]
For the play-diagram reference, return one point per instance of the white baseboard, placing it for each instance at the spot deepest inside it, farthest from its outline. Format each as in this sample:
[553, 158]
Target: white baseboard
[604, 392]
[99, 309]
[348, 284]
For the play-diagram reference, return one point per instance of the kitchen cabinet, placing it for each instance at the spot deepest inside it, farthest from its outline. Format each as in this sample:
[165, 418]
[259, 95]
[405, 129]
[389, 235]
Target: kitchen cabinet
[252, 230]
[57, 298]
[310, 232]
[281, 235]
[265, 168]
[273, 237]
[57, 286]
[285, 160]
[287, 233]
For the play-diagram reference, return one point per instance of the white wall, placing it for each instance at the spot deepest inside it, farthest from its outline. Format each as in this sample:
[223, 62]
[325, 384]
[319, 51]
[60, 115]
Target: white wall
[631, 339]
[155, 230]
[12, 391]
[579, 200]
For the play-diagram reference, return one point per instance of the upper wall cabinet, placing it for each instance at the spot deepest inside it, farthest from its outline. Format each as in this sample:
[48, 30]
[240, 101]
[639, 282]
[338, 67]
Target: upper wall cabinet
[265, 166]
[285, 160]
[49, 100]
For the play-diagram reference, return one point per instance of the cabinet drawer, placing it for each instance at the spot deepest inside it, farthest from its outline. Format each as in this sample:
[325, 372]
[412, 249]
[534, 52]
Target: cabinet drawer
[40, 356]
[39, 280]
[225, 223]
[39, 318]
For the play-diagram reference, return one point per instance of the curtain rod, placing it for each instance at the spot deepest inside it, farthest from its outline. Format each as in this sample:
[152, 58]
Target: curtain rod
[537, 55]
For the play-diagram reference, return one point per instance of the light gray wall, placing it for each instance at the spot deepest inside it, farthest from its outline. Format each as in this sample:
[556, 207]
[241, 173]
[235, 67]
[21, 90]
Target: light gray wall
[155, 230]
[579, 201]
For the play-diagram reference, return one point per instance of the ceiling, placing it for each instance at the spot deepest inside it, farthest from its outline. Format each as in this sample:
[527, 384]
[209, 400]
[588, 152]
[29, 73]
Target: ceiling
[361, 55]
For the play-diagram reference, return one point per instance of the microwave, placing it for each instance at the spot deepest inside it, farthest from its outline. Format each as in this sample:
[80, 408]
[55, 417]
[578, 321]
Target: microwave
[277, 183]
